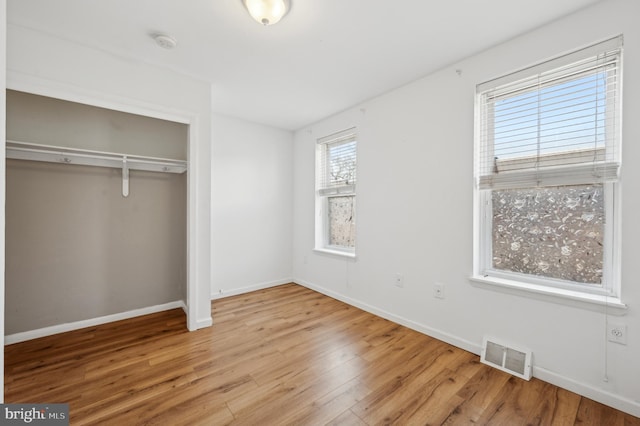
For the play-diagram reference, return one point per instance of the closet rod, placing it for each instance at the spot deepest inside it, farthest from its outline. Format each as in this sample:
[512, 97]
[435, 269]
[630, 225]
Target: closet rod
[56, 154]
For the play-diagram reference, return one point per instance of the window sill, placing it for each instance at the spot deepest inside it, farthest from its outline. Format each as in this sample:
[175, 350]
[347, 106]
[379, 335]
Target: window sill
[613, 305]
[339, 253]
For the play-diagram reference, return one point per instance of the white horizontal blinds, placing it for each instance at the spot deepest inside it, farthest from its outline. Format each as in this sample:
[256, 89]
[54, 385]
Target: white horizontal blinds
[558, 126]
[337, 167]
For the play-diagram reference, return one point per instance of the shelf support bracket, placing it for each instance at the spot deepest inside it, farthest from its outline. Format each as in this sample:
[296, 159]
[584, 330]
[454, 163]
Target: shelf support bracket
[125, 177]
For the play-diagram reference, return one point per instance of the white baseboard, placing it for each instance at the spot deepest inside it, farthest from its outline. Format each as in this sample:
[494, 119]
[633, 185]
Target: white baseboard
[437, 334]
[616, 401]
[201, 323]
[70, 326]
[248, 289]
[588, 391]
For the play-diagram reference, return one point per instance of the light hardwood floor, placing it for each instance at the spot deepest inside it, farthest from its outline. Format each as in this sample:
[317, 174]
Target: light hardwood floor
[285, 355]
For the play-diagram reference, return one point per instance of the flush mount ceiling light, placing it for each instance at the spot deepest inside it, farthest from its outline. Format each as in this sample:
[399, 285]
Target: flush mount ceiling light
[267, 12]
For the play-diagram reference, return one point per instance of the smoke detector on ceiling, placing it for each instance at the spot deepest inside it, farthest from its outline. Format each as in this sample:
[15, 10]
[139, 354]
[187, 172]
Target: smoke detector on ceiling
[165, 41]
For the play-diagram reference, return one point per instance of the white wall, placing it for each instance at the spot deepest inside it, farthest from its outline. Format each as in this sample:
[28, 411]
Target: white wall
[415, 216]
[3, 79]
[46, 65]
[251, 207]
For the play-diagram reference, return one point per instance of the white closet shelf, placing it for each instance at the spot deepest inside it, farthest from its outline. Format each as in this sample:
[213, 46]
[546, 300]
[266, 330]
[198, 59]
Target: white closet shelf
[57, 154]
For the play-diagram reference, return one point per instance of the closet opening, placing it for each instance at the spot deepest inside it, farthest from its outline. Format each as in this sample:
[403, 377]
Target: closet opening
[96, 215]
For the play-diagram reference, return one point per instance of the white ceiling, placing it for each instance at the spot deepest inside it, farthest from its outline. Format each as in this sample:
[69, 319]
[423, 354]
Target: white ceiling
[323, 57]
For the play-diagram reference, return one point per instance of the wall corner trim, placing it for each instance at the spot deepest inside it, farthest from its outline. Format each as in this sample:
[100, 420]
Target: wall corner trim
[249, 288]
[202, 323]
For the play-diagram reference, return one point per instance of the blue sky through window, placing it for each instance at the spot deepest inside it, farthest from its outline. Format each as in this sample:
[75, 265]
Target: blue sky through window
[556, 118]
[342, 163]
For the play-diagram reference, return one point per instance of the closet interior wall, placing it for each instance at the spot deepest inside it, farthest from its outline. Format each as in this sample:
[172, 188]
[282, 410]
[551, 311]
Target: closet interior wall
[76, 249]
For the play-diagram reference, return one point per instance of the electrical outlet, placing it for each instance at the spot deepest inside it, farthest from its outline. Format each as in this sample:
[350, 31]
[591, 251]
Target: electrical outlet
[617, 333]
[399, 282]
[438, 291]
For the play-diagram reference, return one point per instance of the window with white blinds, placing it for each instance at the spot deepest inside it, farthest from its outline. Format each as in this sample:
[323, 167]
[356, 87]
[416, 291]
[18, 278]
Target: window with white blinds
[556, 123]
[336, 161]
[547, 152]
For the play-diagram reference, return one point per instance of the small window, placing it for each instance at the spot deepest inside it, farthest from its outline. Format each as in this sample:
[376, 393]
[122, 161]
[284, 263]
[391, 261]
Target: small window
[336, 193]
[547, 165]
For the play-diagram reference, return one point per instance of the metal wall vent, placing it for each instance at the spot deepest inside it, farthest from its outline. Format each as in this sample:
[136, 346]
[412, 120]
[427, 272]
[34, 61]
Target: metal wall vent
[506, 357]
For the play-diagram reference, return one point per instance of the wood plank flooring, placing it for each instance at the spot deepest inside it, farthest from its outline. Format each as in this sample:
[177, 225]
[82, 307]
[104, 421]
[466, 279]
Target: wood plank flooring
[281, 356]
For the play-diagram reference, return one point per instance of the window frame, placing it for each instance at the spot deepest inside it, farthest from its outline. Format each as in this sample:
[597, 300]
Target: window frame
[322, 196]
[607, 293]
[610, 282]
